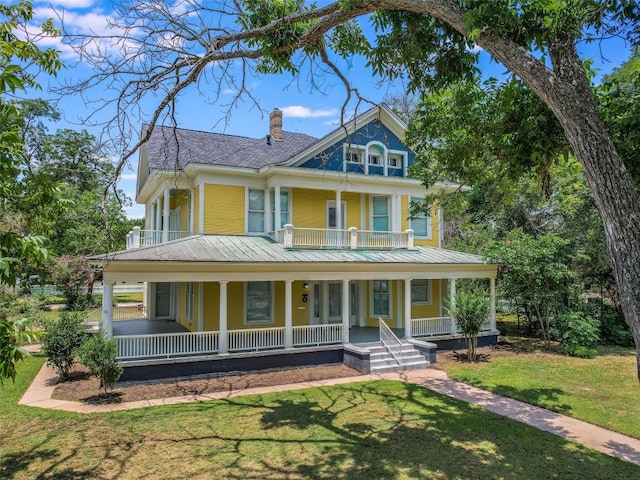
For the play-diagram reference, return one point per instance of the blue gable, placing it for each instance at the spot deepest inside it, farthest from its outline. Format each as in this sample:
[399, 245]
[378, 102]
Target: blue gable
[375, 135]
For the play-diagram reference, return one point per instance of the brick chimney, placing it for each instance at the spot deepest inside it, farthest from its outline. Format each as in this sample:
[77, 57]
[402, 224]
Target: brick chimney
[275, 125]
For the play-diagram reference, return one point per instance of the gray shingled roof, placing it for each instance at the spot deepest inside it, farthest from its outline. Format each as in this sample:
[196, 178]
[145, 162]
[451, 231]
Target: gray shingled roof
[170, 148]
[246, 249]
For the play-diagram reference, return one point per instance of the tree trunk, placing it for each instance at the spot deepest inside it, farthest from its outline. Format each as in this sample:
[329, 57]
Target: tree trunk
[566, 90]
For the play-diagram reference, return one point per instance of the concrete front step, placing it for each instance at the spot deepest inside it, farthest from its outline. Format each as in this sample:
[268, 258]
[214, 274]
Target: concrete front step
[381, 361]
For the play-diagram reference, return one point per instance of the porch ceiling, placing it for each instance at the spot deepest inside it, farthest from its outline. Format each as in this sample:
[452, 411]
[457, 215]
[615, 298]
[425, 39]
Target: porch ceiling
[235, 257]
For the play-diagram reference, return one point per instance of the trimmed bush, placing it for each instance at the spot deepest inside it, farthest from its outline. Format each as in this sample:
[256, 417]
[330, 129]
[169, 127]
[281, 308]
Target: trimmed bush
[61, 340]
[98, 354]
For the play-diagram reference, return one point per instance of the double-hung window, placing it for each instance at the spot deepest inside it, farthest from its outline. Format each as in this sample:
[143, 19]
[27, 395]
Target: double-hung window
[255, 211]
[421, 220]
[381, 298]
[354, 156]
[284, 209]
[258, 303]
[380, 214]
[375, 159]
[420, 291]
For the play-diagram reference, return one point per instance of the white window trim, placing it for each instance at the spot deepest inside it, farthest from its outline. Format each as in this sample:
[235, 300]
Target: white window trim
[272, 217]
[271, 306]
[372, 302]
[429, 292]
[246, 211]
[429, 218]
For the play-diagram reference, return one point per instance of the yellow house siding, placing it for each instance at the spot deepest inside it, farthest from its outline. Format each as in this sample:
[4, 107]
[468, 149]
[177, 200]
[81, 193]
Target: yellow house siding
[210, 306]
[310, 207]
[224, 209]
[429, 310]
[196, 210]
[353, 210]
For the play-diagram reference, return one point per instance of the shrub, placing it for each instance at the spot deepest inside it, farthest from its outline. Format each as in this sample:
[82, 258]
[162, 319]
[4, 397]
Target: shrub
[470, 312]
[61, 340]
[577, 333]
[98, 354]
[582, 352]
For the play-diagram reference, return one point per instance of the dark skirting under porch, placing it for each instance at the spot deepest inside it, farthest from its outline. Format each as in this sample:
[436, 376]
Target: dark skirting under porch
[458, 343]
[218, 364]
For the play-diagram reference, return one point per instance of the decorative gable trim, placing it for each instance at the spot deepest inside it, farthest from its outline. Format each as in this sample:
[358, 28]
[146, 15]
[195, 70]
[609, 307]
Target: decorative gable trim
[381, 112]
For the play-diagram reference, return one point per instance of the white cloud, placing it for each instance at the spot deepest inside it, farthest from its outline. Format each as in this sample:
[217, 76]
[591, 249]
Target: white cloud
[71, 4]
[298, 111]
[128, 176]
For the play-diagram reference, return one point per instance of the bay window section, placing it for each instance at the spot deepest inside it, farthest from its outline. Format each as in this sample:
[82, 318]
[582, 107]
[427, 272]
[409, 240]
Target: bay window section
[258, 303]
[381, 298]
[420, 291]
[420, 218]
[255, 211]
[285, 215]
[380, 214]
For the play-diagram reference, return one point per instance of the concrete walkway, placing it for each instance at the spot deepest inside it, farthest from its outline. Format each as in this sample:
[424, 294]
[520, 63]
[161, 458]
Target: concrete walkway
[615, 444]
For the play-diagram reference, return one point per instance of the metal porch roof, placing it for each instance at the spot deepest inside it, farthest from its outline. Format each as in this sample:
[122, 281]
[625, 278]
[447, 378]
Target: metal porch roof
[250, 249]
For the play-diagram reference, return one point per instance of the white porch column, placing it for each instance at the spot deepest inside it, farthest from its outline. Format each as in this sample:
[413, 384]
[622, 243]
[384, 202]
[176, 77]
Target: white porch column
[165, 216]
[338, 210]
[407, 308]
[107, 308]
[267, 214]
[192, 209]
[277, 208]
[345, 312]
[158, 218]
[452, 303]
[288, 315]
[135, 238]
[492, 289]
[223, 338]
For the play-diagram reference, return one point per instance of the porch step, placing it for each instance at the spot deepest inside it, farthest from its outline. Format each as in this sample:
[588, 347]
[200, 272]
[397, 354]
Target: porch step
[381, 361]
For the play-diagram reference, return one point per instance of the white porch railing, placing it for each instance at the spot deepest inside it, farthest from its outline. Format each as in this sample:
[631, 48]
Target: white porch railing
[119, 313]
[166, 345]
[256, 339]
[390, 342]
[317, 334]
[290, 237]
[145, 238]
[424, 327]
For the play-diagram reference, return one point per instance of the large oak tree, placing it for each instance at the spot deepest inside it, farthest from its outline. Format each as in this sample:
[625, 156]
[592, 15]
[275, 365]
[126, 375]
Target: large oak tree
[169, 47]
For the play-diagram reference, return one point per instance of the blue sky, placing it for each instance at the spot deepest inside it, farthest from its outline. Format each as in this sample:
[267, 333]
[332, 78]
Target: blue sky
[306, 109]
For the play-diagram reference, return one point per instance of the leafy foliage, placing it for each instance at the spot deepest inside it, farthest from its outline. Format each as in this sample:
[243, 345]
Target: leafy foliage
[98, 354]
[471, 310]
[61, 340]
[13, 334]
[578, 333]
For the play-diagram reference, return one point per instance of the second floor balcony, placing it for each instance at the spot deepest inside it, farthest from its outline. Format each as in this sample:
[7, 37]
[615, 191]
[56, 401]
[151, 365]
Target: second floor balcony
[352, 238]
[292, 237]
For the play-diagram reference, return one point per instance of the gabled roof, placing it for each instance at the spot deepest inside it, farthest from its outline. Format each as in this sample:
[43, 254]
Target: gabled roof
[262, 250]
[174, 148]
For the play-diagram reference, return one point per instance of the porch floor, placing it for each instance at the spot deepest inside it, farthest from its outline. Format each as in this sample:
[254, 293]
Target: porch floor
[144, 326]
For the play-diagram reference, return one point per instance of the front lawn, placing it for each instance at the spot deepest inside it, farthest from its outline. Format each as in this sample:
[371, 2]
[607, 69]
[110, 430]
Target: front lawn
[366, 430]
[603, 390]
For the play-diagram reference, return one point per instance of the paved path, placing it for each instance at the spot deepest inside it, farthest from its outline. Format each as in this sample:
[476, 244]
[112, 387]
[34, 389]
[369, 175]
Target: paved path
[612, 443]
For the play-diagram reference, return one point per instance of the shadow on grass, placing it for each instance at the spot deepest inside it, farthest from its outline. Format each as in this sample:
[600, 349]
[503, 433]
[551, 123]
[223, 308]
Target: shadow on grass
[16, 465]
[378, 430]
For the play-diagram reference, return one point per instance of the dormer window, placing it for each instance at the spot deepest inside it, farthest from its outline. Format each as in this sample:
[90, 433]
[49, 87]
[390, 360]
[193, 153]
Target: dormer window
[375, 160]
[354, 156]
[395, 161]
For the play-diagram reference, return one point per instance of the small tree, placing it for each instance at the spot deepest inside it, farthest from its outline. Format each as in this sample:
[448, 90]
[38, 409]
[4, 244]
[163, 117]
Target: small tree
[470, 311]
[578, 333]
[74, 276]
[61, 340]
[98, 354]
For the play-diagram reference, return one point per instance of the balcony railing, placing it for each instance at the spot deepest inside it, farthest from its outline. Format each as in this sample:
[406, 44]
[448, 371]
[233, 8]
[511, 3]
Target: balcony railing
[290, 237]
[137, 238]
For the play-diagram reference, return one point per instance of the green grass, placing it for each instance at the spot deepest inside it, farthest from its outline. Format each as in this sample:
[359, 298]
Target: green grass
[121, 298]
[603, 390]
[368, 430]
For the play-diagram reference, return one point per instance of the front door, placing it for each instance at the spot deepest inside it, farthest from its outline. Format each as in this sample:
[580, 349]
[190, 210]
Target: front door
[326, 303]
[163, 300]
